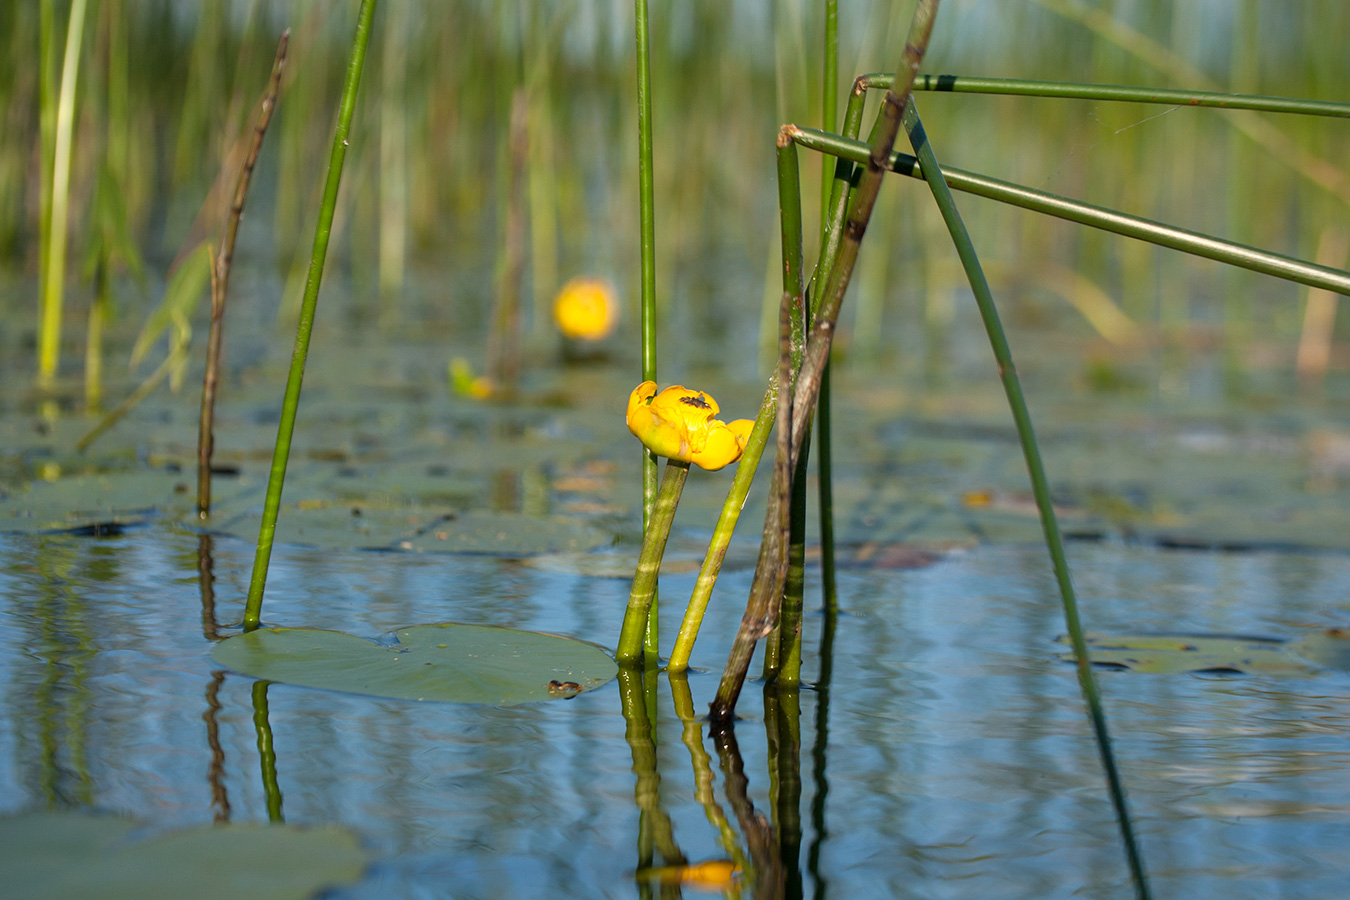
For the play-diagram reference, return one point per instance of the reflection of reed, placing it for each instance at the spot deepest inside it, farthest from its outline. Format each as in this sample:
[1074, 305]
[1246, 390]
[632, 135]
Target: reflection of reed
[782, 727]
[702, 763]
[267, 755]
[62, 700]
[207, 580]
[766, 870]
[637, 691]
[220, 800]
[818, 747]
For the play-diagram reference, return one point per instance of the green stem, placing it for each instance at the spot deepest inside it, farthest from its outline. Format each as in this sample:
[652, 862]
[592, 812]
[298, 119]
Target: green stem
[782, 656]
[641, 597]
[291, 402]
[962, 84]
[824, 456]
[54, 271]
[1040, 485]
[723, 530]
[647, 227]
[1142, 229]
[766, 590]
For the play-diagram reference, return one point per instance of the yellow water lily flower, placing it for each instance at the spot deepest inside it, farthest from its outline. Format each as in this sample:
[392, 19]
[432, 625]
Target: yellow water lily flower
[682, 424]
[585, 309]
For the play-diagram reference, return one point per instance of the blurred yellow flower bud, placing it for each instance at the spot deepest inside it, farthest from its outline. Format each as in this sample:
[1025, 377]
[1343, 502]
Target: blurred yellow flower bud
[681, 424]
[586, 309]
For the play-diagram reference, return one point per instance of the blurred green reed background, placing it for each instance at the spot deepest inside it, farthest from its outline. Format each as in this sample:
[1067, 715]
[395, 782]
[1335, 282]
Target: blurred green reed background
[167, 91]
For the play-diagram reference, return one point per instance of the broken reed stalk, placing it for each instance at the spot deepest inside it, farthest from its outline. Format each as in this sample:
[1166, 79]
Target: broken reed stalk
[647, 228]
[642, 595]
[962, 84]
[822, 332]
[220, 281]
[1137, 227]
[291, 401]
[1040, 485]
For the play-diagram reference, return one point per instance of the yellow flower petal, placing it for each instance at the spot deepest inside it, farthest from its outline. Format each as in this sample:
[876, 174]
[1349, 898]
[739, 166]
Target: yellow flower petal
[681, 424]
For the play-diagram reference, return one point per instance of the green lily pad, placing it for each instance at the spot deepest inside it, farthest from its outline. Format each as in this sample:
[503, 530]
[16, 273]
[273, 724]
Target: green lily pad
[46, 856]
[504, 534]
[121, 498]
[446, 662]
[1162, 654]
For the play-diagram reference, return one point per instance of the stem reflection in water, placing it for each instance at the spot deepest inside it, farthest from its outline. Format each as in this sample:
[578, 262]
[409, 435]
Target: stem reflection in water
[266, 753]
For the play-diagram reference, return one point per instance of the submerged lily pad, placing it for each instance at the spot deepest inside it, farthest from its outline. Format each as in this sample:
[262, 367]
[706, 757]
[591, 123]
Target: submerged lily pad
[45, 856]
[446, 662]
[1161, 654]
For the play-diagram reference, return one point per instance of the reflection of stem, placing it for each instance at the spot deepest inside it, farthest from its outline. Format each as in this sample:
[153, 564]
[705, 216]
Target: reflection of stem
[766, 870]
[782, 725]
[702, 763]
[267, 755]
[220, 800]
[655, 830]
[818, 748]
[649, 566]
[207, 580]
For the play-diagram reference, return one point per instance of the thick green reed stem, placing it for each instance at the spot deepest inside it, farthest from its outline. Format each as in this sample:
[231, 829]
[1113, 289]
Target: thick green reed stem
[817, 347]
[783, 652]
[723, 530]
[647, 215]
[962, 84]
[642, 595]
[1040, 485]
[1192, 242]
[291, 402]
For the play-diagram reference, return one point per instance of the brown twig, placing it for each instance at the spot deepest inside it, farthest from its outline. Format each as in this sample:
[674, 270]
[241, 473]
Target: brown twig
[220, 280]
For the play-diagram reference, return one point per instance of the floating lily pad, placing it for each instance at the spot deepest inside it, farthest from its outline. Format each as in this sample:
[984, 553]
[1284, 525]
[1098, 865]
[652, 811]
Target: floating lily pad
[122, 498]
[46, 856]
[443, 662]
[505, 534]
[1162, 654]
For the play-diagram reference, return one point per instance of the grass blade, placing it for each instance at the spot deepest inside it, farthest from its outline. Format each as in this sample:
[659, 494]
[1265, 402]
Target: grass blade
[291, 402]
[1040, 485]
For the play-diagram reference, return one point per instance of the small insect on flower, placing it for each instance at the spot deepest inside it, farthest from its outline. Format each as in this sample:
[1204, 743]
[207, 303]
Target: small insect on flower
[682, 424]
[586, 309]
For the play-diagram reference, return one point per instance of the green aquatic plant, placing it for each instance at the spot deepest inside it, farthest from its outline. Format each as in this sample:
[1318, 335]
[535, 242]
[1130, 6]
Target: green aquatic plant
[291, 400]
[56, 208]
